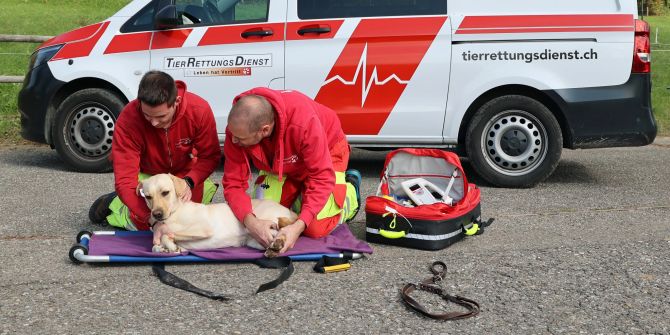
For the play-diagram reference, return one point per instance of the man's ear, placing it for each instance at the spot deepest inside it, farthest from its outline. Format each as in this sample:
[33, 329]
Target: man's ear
[266, 130]
[180, 185]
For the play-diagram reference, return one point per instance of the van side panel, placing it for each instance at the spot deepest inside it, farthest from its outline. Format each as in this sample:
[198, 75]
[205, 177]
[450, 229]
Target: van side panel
[386, 77]
[562, 45]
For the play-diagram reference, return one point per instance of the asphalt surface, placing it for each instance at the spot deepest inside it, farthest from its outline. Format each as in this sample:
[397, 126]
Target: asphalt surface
[587, 251]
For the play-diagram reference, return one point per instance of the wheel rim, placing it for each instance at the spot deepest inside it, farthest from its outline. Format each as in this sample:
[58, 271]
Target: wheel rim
[90, 130]
[514, 142]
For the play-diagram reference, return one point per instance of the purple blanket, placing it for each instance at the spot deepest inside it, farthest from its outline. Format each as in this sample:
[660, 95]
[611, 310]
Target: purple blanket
[138, 244]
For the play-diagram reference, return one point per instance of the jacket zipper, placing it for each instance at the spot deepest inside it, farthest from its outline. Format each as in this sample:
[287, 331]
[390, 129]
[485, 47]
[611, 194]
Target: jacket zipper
[167, 140]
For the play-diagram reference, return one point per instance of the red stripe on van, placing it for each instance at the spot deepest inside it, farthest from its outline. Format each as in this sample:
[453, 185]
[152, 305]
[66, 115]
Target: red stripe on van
[74, 35]
[545, 23]
[373, 69]
[81, 48]
[170, 38]
[293, 27]
[233, 34]
[542, 30]
[518, 21]
[129, 43]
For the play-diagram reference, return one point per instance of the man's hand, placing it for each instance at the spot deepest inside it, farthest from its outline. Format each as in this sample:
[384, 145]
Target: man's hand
[291, 233]
[186, 195]
[263, 231]
[161, 229]
[182, 188]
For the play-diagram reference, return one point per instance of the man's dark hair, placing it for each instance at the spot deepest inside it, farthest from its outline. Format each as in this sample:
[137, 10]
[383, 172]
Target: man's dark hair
[156, 88]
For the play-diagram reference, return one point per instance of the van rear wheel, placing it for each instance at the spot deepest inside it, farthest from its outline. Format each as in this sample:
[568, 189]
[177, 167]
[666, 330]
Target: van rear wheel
[514, 141]
[83, 129]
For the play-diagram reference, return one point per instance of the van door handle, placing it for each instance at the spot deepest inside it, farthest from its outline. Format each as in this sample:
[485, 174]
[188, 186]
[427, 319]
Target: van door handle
[259, 33]
[313, 30]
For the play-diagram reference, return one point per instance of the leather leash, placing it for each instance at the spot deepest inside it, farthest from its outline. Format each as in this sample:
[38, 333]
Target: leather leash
[438, 269]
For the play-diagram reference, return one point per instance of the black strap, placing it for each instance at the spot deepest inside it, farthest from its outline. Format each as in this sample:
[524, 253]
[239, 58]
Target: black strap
[268, 263]
[174, 281]
[275, 263]
[483, 224]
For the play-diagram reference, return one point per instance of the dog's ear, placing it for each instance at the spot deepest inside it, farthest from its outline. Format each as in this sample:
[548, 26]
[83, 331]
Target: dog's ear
[138, 188]
[180, 185]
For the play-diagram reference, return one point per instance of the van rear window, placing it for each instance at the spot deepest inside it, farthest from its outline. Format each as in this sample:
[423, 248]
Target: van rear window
[326, 9]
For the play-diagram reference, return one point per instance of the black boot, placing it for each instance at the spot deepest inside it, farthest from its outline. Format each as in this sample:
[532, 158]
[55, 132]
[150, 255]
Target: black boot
[100, 208]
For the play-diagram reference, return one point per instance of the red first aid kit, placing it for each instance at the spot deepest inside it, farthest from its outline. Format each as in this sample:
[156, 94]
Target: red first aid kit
[423, 201]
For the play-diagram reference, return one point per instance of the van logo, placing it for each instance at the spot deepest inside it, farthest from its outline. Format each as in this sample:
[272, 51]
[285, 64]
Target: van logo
[372, 71]
[218, 65]
[366, 84]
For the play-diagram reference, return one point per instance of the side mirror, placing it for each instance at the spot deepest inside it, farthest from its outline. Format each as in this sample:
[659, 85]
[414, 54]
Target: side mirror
[166, 18]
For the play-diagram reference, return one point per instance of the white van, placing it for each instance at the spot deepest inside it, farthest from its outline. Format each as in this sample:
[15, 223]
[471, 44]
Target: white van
[507, 83]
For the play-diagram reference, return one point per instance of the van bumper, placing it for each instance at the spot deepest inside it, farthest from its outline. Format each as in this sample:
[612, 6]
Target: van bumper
[39, 87]
[611, 116]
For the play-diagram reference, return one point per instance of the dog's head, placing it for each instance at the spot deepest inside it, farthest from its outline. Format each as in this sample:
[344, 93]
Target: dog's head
[161, 193]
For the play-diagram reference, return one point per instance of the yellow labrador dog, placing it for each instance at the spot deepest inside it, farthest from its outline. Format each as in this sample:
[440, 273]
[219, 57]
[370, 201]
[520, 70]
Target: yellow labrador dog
[200, 227]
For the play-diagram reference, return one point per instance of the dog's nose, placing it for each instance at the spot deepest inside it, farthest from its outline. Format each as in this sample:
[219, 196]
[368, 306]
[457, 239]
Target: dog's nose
[157, 214]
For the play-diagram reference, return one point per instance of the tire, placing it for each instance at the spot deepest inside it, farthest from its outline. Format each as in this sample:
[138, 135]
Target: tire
[514, 141]
[82, 234]
[72, 251]
[83, 129]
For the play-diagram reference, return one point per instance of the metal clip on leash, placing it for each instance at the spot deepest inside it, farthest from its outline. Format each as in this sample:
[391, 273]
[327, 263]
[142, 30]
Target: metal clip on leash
[432, 285]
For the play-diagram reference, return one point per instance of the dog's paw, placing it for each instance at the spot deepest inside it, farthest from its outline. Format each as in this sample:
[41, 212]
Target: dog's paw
[167, 250]
[275, 247]
[158, 249]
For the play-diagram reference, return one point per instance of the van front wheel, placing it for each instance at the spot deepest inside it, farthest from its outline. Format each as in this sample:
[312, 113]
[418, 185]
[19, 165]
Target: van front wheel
[514, 141]
[83, 129]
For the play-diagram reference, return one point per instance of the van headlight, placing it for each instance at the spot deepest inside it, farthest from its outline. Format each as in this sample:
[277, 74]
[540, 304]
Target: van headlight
[43, 55]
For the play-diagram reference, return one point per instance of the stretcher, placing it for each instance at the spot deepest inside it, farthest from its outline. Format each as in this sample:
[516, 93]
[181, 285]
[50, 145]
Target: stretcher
[135, 247]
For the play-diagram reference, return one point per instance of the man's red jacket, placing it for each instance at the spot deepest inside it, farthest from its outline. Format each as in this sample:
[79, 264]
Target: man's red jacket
[300, 145]
[189, 147]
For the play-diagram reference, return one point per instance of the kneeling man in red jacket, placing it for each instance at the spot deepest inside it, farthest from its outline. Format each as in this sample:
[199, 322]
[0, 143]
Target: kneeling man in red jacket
[302, 154]
[165, 130]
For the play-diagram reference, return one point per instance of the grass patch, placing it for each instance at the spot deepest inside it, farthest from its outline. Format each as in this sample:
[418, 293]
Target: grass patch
[38, 17]
[52, 17]
[9, 117]
[660, 70]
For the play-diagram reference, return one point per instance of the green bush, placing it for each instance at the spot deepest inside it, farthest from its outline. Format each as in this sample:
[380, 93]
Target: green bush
[652, 7]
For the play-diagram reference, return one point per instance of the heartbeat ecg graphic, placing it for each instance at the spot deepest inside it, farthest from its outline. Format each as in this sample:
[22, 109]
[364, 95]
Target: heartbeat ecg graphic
[365, 85]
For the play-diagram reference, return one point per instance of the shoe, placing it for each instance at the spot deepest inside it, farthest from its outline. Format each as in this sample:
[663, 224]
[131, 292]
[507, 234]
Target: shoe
[100, 208]
[353, 177]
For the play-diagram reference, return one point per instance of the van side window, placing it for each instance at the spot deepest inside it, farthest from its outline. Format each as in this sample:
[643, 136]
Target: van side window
[220, 12]
[142, 21]
[326, 9]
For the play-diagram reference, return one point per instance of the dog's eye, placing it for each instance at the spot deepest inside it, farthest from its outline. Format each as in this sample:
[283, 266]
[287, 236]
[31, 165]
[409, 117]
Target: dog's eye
[148, 197]
[165, 193]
